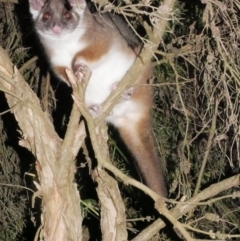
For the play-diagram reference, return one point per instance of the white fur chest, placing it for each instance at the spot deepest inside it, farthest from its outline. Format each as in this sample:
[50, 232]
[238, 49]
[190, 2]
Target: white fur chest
[105, 76]
[106, 73]
[62, 49]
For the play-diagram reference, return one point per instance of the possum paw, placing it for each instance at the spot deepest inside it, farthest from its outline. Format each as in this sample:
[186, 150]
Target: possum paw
[127, 94]
[95, 110]
[80, 70]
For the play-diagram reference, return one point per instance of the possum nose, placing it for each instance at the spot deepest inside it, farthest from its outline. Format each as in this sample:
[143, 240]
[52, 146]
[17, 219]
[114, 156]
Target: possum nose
[57, 29]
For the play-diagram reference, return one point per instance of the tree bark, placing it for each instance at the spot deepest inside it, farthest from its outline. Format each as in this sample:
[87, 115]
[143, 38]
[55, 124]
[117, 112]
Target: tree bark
[61, 216]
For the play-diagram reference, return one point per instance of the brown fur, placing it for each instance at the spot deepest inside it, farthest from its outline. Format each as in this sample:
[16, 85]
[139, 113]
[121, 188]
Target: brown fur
[139, 139]
[92, 52]
[140, 142]
[61, 72]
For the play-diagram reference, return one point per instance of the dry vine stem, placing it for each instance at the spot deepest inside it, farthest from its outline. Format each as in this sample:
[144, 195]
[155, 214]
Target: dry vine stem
[61, 215]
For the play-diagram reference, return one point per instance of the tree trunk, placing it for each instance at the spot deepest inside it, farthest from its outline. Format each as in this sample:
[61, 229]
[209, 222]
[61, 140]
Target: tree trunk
[61, 216]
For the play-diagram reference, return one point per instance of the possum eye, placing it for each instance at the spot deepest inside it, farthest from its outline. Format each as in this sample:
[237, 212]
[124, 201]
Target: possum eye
[67, 15]
[46, 16]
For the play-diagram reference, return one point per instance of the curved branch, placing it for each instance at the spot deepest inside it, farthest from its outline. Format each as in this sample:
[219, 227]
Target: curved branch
[182, 209]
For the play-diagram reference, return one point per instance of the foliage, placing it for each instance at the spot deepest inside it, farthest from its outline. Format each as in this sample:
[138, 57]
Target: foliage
[197, 95]
[12, 200]
[12, 207]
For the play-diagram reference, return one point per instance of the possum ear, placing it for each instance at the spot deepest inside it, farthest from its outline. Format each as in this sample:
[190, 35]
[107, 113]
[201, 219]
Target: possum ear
[78, 3]
[35, 7]
[36, 4]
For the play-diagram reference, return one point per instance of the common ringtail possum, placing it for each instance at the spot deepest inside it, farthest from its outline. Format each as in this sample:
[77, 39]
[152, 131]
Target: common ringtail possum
[74, 37]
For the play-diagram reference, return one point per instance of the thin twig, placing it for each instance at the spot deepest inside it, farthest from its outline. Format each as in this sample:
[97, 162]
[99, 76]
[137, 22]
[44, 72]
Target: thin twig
[208, 147]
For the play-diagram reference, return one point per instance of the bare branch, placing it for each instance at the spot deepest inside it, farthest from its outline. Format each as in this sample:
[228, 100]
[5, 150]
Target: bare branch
[182, 209]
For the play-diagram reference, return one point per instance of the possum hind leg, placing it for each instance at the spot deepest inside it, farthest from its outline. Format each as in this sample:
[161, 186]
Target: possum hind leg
[135, 128]
[132, 117]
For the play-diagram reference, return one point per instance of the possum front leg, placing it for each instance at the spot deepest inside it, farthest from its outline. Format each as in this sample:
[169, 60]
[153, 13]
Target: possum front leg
[80, 70]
